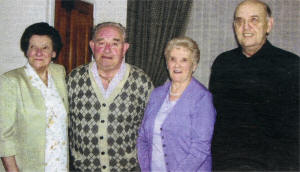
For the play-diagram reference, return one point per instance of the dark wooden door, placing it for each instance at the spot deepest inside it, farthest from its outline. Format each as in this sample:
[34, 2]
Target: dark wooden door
[74, 21]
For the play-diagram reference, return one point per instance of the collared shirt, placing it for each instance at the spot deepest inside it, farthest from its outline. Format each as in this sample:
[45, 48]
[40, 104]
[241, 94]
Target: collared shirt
[56, 148]
[158, 160]
[114, 82]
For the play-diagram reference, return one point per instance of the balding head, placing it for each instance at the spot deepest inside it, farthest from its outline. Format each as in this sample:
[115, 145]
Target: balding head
[266, 7]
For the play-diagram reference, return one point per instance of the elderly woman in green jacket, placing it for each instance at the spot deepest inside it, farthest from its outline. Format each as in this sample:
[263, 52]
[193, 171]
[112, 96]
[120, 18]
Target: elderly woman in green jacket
[33, 106]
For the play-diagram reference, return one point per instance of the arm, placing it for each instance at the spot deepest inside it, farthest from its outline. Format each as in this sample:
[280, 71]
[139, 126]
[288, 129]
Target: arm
[202, 121]
[142, 149]
[7, 123]
[10, 164]
[143, 146]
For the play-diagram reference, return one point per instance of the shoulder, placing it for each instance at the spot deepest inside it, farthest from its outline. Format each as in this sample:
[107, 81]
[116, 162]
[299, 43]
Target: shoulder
[138, 74]
[14, 74]
[160, 92]
[283, 55]
[227, 57]
[80, 70]
[57, 66]
[161, 89]
[198, 90]
[59, 69]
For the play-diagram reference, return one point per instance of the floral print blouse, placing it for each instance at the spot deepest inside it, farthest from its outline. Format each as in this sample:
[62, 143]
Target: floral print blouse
[56, 150]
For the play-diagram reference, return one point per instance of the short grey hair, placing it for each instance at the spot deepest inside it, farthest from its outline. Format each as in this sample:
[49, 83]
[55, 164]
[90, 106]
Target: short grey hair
[107, 24]
[184, 42]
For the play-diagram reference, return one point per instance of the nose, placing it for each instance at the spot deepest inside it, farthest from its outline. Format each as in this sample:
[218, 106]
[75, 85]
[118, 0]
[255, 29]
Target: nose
[177, 64]
[107, 48]
[39, 52]
[246, 25]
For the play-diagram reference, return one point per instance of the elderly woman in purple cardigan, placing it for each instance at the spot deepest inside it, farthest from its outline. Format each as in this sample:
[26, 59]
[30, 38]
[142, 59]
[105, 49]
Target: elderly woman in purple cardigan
[178, 124]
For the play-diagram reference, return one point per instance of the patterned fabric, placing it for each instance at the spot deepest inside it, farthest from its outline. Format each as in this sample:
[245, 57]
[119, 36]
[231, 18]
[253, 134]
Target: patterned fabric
[56, 150]
[103, 132]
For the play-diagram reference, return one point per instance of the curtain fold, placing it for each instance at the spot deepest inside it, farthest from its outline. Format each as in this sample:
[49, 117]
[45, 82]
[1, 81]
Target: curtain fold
[150, 25]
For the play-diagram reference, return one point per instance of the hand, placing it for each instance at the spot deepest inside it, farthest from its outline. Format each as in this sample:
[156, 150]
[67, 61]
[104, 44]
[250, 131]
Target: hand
[10, 164]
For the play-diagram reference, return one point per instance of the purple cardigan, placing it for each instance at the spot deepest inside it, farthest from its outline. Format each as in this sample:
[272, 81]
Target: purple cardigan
[186, 132]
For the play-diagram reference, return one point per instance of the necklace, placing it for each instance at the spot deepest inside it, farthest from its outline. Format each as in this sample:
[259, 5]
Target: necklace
[174, 94]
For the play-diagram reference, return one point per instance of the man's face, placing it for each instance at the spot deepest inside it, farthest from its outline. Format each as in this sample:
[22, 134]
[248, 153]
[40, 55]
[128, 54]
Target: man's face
[109, 48]
[251, 26]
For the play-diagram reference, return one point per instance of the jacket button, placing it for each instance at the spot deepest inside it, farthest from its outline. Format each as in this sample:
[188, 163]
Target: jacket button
[103, 104]
[102, 121]
[101, 137]
[104, 167]
[102, 153]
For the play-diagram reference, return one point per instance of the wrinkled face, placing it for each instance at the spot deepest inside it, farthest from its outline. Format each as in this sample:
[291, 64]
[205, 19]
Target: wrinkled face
[251, 26]
[180, 64]
[109, 48]
[40, 52]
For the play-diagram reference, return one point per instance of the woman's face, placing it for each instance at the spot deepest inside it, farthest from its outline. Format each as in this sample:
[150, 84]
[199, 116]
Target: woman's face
[180, 64]
[40, 52]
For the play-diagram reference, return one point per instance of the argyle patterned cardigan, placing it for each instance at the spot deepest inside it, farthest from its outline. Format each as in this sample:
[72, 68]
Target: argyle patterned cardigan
[103, 132]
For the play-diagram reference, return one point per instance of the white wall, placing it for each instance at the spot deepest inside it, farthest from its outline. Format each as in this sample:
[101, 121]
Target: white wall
[16, 15]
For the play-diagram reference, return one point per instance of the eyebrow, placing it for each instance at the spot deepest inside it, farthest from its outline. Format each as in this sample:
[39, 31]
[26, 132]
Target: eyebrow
[114, 39]
[117, 39]
[250, 16]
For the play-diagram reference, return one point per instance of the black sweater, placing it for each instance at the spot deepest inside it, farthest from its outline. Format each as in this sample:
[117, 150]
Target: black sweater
[257, 103]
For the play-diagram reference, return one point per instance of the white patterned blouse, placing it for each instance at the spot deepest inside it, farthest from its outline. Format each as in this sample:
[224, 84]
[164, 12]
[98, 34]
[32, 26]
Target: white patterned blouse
[56, 150]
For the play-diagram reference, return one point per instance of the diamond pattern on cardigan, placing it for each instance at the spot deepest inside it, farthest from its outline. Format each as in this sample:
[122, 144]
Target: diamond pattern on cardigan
[123, 120]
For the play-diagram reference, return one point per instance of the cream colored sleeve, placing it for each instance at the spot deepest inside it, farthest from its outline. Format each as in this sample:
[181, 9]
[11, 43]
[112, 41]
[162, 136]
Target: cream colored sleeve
[8, 113]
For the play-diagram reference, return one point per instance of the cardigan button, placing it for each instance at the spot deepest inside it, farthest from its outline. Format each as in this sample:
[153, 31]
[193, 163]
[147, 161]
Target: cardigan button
[103, 104]
[104, 167]
[102, 121]
[101, 137]
[102, 153]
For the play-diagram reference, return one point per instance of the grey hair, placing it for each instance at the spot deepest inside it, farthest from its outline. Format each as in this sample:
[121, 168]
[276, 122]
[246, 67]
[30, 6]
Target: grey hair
[184, 42]
[112, 24]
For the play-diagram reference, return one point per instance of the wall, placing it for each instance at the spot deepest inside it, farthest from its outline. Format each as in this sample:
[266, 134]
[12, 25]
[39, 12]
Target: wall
[211, 26]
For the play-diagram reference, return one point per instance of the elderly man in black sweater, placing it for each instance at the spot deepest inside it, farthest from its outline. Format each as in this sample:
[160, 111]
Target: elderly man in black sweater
[256, 94]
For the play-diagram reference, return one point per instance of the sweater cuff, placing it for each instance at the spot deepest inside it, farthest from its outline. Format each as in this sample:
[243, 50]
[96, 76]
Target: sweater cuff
[7, 148]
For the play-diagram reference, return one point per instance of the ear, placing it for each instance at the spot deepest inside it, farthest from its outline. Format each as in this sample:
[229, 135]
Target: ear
[270, 24]
[92, 44]
[194, 67]
[53, 54]
[125, 48]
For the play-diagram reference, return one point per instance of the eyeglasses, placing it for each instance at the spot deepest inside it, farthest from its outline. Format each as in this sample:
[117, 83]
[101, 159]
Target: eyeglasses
[253, 21]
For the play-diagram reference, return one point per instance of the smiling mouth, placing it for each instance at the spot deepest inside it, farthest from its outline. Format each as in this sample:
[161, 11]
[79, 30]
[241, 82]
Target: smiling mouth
[247, 34]
[106, 57]
[177, 71]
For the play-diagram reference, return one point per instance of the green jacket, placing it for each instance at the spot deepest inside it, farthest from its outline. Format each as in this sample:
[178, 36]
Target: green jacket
[23, 117]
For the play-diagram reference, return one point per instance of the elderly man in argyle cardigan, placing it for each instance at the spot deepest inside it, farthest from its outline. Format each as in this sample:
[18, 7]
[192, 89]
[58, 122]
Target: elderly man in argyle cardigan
[107, 100]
